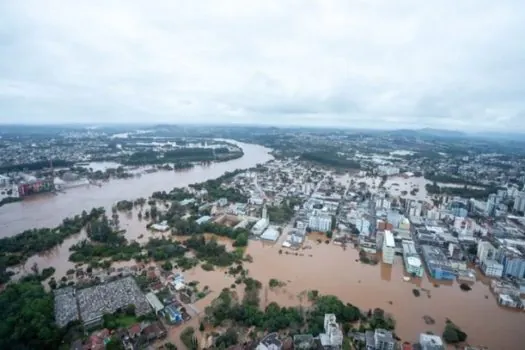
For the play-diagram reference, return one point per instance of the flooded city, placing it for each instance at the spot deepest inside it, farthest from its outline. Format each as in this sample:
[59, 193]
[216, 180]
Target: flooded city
[328, 268]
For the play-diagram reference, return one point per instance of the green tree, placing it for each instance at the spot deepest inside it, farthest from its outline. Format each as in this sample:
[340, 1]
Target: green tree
[26, 311]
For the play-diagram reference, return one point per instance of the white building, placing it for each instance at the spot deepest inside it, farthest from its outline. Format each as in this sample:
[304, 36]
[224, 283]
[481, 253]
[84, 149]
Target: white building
[519, 201]
[321, 223]
[363, 225]
[411, 259]
[387, 170]
[464, 226]
[332, 336]
[431, 342]
[486, 251]
[260, 226]
[492, 268]
[389, 247]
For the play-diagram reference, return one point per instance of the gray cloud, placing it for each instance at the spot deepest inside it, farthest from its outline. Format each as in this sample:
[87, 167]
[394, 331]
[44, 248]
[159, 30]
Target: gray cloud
[445, 64]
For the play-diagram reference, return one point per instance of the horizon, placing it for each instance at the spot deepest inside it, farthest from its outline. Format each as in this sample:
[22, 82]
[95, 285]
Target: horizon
[312, 64]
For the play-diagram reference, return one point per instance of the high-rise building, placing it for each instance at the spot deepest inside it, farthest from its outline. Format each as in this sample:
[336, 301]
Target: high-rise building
[519, 202]
[492, 201]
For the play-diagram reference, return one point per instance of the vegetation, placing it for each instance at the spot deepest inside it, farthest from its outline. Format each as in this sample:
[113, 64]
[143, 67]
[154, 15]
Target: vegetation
[453, 334]
[8, 200]
[330, 159]
[280, 214]
[188, 338]
[465, 287]
[416, 292]
[212, 252]
[216, 191]
[16, 249]
[26, 311]
[464, 191]
[273, 283]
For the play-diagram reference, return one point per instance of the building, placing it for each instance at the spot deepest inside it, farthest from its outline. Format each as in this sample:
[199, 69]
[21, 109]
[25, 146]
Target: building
[490, 208]
[320, 222]
[437, 263]
[260, 226]
[513, 262]
[270, 342]
[519, 202]
[491, 268]
[363, 226]
[270, 234]
[380, 339]
[431, 342]
[511, 301]
[154, 302]
[486, 251]
[203, 220]
[332, 338]
[411, 259]
[389, 247]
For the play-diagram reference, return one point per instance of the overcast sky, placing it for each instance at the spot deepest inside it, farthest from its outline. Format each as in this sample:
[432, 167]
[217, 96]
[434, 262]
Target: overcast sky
[455, 64]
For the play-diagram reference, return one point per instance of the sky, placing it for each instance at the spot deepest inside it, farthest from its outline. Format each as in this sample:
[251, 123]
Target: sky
[352, 63]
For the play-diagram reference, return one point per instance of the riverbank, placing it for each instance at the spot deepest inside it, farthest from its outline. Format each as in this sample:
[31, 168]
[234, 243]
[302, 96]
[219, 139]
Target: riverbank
[49, 211]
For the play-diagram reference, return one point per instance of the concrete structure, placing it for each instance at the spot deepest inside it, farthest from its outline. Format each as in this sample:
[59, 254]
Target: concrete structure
[203, 219]
[437, 263]
[491, 268]
[431, 342]
[270, 234]
[380, 339]
[389, 246]
[519, 202]
[413, 264]
[320, 222]
[260, 226]
[270, 342]
[332, 338]
[486, 251]
[511, 301]
[513, 262]
[154, 302]
[363, 225]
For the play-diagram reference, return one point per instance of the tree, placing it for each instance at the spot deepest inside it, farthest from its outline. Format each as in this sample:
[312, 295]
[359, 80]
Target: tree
[329, 234]
[201, 327]
[130, 310]
[167, 266]
[170, 346]
[28, 321]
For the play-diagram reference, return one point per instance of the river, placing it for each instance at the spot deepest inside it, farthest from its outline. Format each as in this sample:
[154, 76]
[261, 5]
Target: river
[325, 267]
[49, 210]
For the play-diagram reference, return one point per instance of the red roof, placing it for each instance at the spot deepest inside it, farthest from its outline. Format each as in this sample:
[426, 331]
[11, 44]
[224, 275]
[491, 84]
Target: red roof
[407, 347]
[134, 330]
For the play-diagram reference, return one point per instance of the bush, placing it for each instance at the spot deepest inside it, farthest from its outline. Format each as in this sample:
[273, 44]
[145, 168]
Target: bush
[453, 334]
[416, 292]
[207, 267]
[465, 287]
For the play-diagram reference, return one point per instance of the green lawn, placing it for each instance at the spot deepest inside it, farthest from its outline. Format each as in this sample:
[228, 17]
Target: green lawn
[126, 321]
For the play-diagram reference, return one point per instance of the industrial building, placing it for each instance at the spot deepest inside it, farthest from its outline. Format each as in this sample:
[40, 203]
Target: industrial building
[411, 259]
[389, 247]
[437, 263]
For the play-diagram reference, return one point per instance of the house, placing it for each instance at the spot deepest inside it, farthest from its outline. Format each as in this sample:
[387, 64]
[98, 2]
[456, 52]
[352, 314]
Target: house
[270, 342]
[380, 339]
[134, 330]
[154, 331]
[332, 338]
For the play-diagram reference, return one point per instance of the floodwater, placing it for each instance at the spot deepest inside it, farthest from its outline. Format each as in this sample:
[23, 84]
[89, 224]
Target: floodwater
[325, 267]
[332, 270]
[50, 210]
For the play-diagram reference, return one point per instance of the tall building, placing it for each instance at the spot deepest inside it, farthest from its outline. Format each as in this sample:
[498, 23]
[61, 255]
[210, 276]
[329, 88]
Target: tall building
[519, 202]
[431, 342]
[490, 208]
[486, 251]
[320, 222]
[389, 247]
[380, 339]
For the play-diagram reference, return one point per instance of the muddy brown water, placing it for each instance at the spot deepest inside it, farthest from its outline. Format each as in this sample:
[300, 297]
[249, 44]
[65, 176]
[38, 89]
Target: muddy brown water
[50, 210]
[329, 269]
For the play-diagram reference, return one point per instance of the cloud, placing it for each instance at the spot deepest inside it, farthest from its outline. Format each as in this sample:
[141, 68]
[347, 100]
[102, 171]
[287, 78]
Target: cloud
[433, 63]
